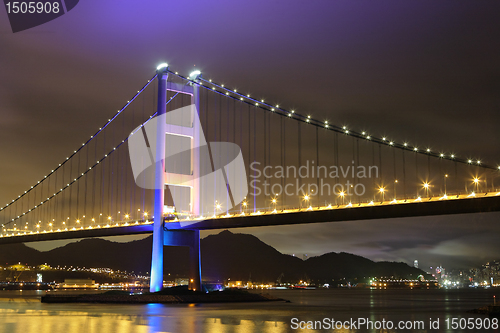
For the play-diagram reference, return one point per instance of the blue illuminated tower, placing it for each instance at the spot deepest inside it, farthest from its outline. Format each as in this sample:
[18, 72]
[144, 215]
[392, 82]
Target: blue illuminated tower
[156, 282]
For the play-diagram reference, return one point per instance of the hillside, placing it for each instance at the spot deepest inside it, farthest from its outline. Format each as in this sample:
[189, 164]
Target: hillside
[225, 255]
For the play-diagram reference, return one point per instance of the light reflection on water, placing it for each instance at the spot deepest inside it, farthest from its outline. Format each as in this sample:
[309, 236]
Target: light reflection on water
[22, 312]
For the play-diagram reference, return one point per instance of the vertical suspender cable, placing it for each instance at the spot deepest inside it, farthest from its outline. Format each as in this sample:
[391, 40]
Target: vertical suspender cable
[220, 132]
[380, 161]
[284, 164]
[142, 121]
[47, 209]
[440, 176]
[264, 113]
[416, 172]
[395, 171]
[240, 142]
[428, 167]
[234, 131]
[404, 175]
[357, 165]
[62, 201]
[62, 196]
[249, 139]
[103, 164]
[216, 114]
[94, 172]
[70, 191]
[40, 211]
[127, 180]
[228, 199]
[78, 188]
[283, 194]
[336, 154]
[317, 167]
[353, 164]
[299, 138]
[86, 181]
[269, 158]
[206, 130]
[110, 179]
[56, 199]
[254, 154]
[373, 164]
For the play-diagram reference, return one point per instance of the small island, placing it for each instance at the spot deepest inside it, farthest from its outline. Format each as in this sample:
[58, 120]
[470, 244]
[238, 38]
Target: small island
[174, 295]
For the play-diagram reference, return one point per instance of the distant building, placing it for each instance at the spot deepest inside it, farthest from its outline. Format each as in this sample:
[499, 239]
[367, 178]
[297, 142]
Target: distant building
[181, 281]
[78, 284]
[415, 263]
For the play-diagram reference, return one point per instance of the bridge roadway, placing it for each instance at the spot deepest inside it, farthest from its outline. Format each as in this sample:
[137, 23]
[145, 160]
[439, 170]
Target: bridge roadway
[457, 204]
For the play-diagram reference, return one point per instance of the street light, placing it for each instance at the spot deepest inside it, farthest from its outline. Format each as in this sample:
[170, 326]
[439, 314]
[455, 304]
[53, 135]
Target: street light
[306, 198]
[476, 181]
[395, 182]
[382, 190]
[426, 186]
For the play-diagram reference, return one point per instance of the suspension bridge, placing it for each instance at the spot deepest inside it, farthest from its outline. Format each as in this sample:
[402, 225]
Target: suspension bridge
[186, 154]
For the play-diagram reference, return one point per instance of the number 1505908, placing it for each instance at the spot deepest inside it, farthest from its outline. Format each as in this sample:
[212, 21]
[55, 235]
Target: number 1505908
[33, 7]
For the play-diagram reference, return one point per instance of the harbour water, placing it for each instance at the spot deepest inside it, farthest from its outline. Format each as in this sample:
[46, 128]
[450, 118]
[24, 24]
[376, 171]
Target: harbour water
[22, 312]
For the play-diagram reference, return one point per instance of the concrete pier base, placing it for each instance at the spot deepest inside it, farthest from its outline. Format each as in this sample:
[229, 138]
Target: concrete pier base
[191, 239]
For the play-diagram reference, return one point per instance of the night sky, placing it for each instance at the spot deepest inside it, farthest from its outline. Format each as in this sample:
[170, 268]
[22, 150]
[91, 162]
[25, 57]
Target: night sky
[419, 71]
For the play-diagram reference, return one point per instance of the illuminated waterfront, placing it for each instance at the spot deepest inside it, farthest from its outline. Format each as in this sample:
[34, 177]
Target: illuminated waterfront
[23, 312]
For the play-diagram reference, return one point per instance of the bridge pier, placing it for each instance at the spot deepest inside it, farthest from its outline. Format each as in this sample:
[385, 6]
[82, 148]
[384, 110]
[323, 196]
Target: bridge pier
[191, 239]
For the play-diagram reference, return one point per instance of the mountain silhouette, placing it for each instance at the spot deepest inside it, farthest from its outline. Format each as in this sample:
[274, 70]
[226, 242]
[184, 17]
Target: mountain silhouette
[225, 255]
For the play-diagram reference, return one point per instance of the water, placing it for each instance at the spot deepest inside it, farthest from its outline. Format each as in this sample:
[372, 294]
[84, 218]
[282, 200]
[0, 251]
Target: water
[22, 312]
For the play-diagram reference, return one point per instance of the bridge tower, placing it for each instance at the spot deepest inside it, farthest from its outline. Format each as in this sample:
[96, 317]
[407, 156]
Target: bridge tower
[169, 124]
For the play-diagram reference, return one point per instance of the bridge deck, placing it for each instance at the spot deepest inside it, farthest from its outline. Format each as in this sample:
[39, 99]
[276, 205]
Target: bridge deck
[365, 211]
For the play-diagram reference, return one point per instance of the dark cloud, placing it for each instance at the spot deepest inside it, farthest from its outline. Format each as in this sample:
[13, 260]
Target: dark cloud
[422, 71]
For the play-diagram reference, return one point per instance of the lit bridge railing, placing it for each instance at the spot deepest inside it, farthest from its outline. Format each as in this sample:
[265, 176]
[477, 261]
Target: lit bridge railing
[272, 210]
